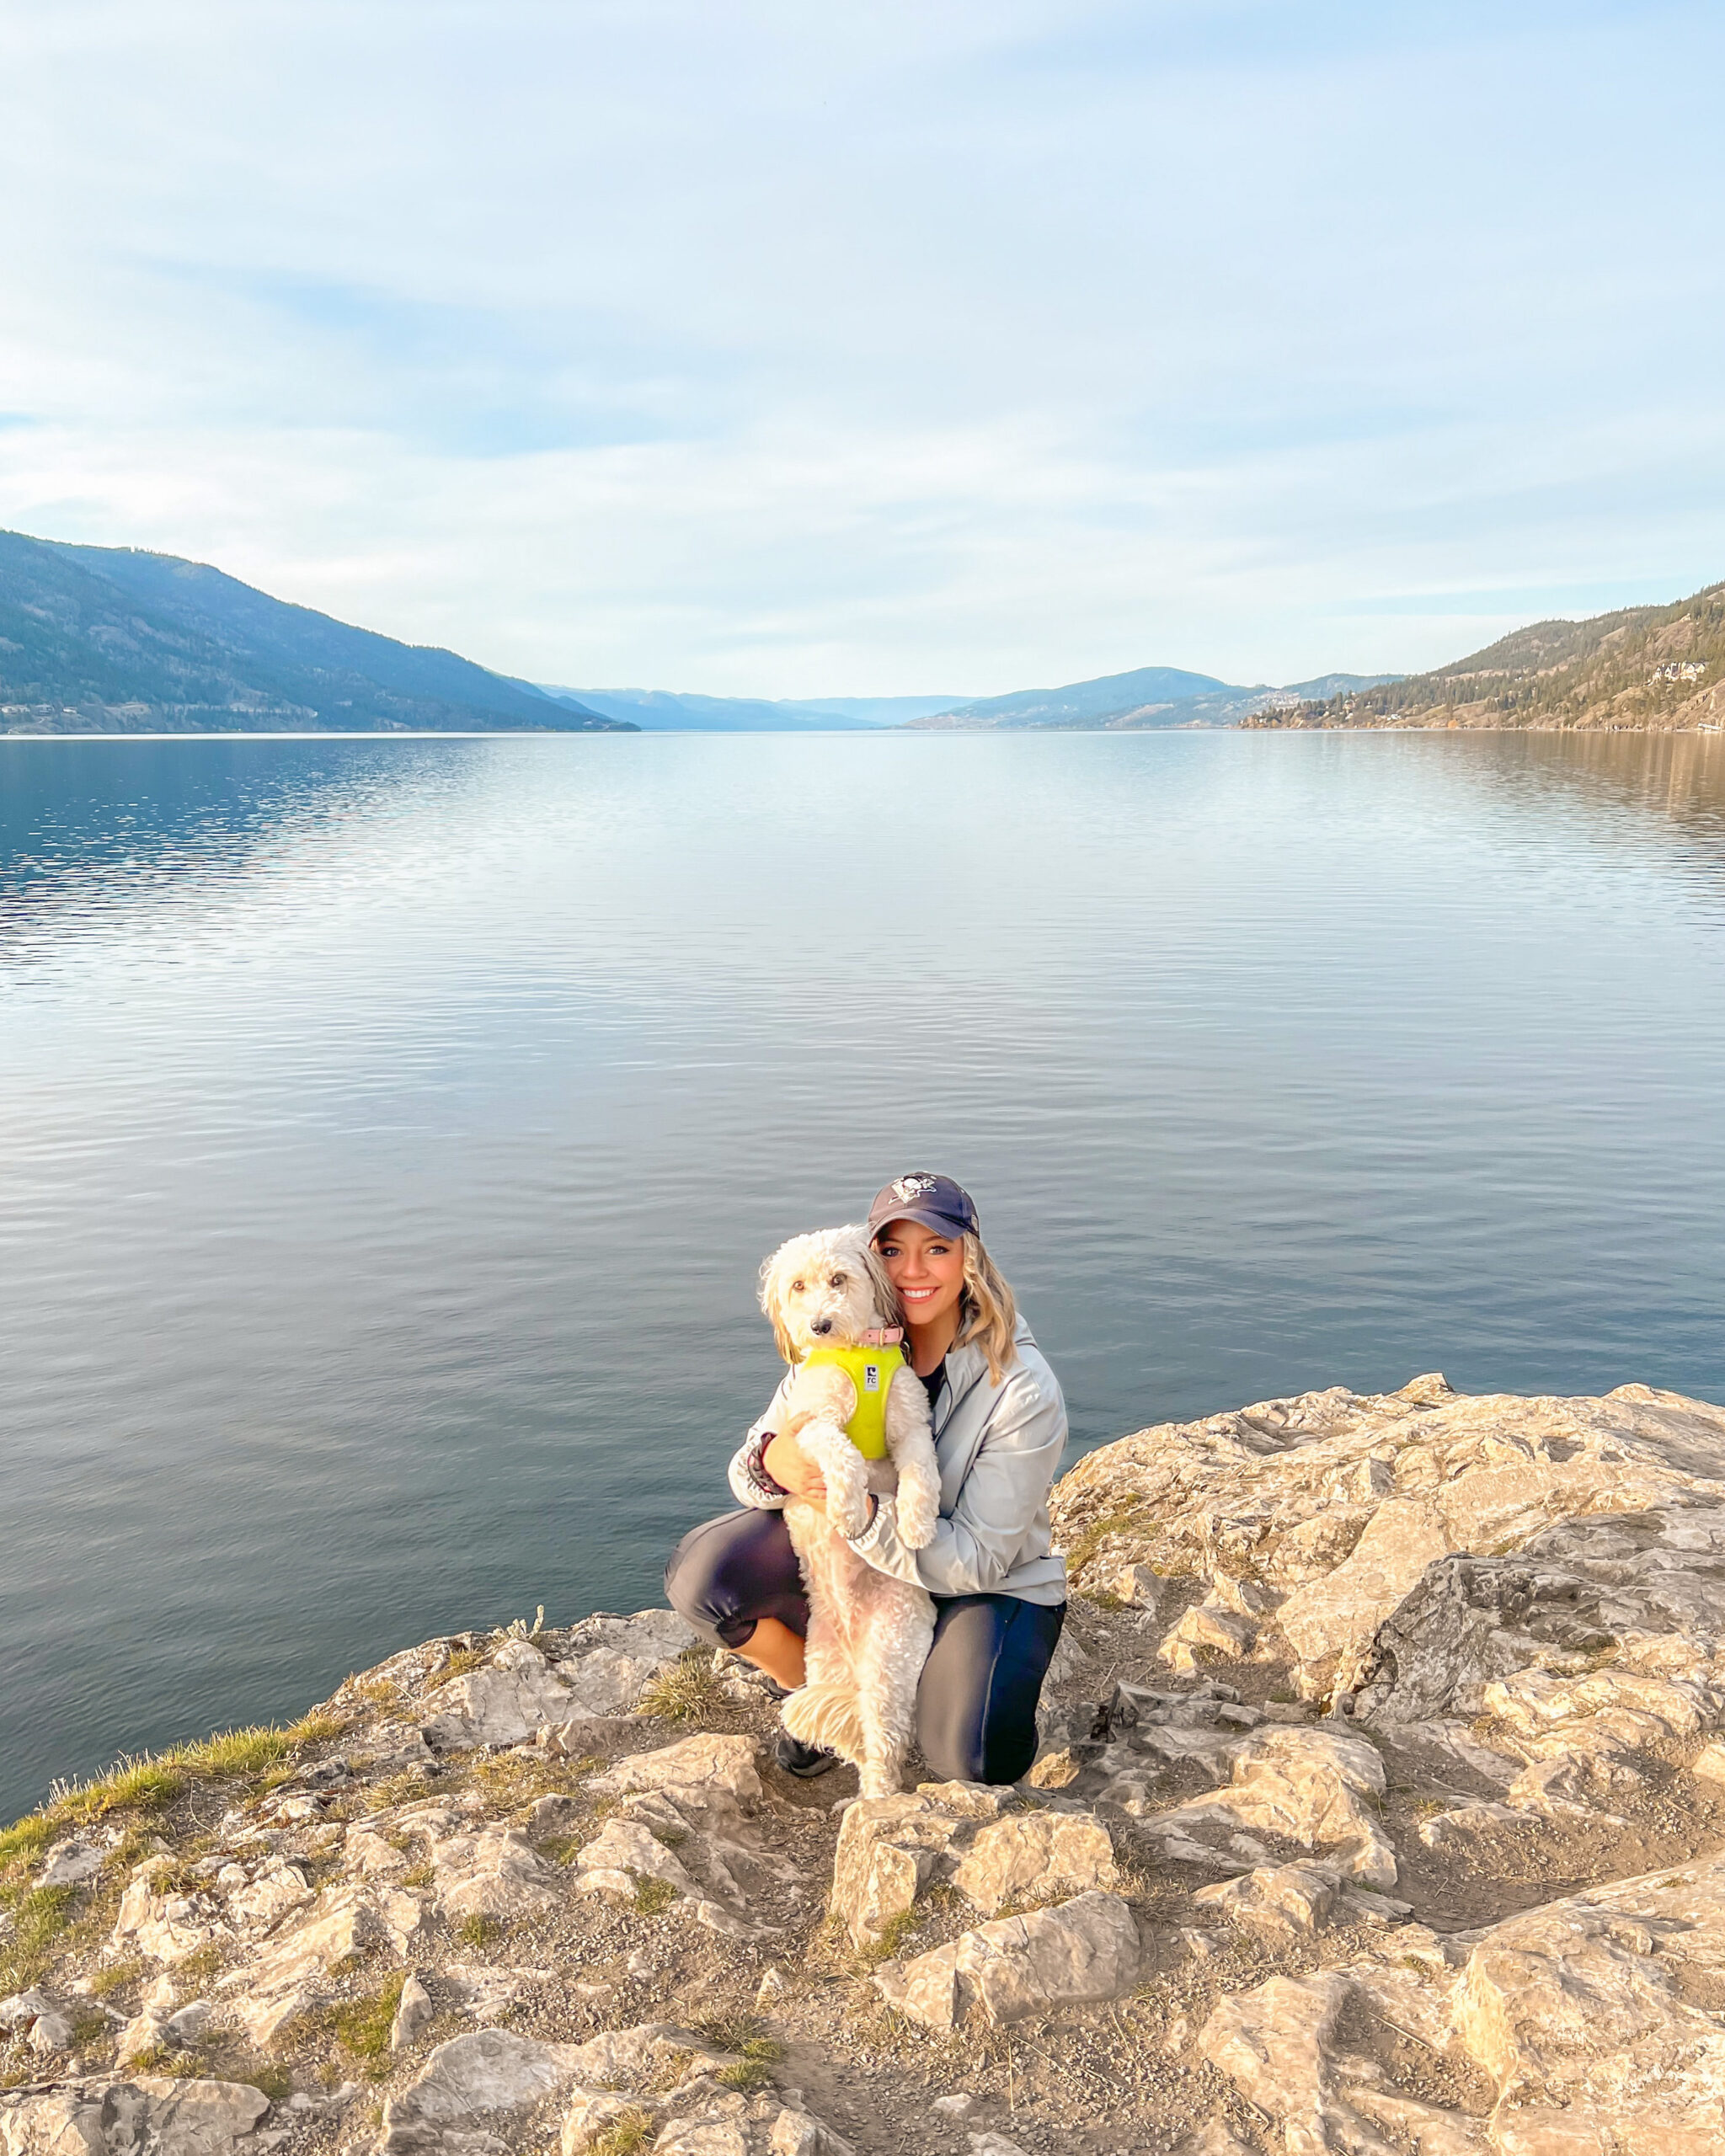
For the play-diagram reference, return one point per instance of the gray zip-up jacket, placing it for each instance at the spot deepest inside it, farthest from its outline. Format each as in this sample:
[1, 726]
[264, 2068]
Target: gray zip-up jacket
[999, 1448]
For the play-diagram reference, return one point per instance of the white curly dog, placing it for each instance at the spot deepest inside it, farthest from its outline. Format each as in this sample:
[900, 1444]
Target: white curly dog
[868, 1634]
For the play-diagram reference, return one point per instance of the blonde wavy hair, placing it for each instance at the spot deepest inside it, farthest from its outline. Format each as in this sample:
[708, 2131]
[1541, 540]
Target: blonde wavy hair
[988, 1309]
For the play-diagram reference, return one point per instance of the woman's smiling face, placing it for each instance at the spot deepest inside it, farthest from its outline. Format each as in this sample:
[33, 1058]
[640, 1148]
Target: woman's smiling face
[926, 1269]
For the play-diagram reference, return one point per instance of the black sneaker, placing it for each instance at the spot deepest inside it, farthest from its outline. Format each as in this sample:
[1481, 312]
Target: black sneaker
[805, 1761]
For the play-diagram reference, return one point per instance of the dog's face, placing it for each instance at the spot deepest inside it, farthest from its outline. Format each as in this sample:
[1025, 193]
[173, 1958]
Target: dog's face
[826, 1289]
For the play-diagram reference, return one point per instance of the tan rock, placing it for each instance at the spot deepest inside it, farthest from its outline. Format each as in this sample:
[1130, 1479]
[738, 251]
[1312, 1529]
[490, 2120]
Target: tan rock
[467, 2080]
[1581, 2013]
[160, 1920]
[887, 1850]
[622, 1852]
[1337, 1615]
[1312, 1786]
[1036, 1853]
[968, 1799]
[494, 1873]
[1137, 1586]
[152, 2113]
[500, 1703]
[1710, 1761]
[413, 2010]
[593, 2112]
[700, 1771]
[1203, 1632]
[290, 1972]
[656, 2052]
[1084, 1951]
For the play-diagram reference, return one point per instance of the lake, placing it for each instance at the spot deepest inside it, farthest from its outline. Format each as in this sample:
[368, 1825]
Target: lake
[393, 1129]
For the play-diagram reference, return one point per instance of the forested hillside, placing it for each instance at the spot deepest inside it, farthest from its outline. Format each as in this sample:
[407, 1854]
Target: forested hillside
[1658, 667]
[106, 640]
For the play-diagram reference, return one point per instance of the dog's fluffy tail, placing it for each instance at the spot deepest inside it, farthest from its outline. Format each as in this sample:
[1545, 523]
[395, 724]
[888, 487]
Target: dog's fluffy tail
[827, 1715]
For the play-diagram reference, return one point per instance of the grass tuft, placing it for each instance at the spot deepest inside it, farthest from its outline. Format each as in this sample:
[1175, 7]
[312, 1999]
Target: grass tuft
[28, 1838]
[105, 1982]
[891, 1938]
[479, 1930]
[653, 1896]
[686, 1690]
[230, 1754]
[628, 2133]
[317, 1727]
[460, 1661]
[362, 2025]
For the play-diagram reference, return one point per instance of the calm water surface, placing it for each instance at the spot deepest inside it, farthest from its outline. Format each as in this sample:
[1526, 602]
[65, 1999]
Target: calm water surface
[392, 1129]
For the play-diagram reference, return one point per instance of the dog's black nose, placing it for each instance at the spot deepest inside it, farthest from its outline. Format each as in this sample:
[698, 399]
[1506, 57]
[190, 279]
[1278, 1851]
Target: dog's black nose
[821, 1325]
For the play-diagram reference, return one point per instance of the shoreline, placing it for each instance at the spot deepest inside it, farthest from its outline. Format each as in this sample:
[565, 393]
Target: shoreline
[1364, 1702]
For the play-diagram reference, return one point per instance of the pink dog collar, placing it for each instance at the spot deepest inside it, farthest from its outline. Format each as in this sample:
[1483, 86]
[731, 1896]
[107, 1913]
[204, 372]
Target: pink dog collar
[884, 1336]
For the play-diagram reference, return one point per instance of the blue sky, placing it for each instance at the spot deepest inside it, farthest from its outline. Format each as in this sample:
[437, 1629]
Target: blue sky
[760, 349]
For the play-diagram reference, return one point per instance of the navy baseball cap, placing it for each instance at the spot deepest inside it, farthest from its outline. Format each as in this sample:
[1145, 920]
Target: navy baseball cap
[933, 1202]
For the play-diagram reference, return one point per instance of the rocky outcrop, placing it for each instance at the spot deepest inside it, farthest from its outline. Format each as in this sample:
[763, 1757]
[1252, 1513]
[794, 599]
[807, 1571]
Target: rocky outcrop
[1379, 1808]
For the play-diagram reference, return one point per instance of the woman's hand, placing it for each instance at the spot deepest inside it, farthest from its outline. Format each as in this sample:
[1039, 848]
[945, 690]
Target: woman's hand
[791, 1469]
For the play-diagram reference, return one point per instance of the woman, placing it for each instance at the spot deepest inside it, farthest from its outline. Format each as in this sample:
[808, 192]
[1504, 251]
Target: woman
[999, 1586]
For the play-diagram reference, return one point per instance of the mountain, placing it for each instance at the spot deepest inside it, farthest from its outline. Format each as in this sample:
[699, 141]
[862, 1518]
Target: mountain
[1149, 697]
[106, 640]
[669, 711]
[1657, 667]
[666, 711]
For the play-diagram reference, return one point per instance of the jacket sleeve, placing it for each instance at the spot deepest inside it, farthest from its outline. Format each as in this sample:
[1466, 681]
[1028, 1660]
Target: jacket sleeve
[751, 1484]
[997, 1504]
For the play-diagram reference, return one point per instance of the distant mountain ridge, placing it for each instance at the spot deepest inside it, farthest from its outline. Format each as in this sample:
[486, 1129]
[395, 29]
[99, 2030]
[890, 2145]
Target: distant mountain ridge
[107, 639]
[1148, 697]
[671, 711]
[1662, 668]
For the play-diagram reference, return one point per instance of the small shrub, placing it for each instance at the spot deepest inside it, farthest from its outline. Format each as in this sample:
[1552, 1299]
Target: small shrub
[653, 1896]
[687, 1690]
[477, 1930]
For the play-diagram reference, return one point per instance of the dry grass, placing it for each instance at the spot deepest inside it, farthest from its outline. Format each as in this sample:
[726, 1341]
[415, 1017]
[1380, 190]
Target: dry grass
[628, 2133]
[461, 1660]
[150, 1782]
[479, 1930]
[689, 1690]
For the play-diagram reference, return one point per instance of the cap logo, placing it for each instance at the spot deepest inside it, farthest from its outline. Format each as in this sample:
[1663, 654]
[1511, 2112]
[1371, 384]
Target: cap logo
[908, 1187]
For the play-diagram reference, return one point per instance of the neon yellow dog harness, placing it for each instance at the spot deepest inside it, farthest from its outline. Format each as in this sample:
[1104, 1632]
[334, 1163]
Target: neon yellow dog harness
[870, 1370]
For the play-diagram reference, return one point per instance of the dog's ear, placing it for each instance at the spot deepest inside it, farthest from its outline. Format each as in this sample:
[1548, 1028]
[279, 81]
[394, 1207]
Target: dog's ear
[886, 1296]
[773, 1282]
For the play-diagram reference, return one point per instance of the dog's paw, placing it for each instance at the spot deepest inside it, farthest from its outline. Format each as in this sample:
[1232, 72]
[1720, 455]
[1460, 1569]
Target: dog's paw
[847, 1512]
[918, 1519]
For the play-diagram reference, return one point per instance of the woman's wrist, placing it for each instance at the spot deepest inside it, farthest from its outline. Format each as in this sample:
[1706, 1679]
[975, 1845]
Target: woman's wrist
[761, 1478]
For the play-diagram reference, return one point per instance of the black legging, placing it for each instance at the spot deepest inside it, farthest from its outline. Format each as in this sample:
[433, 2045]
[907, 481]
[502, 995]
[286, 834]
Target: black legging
[977, 1702]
